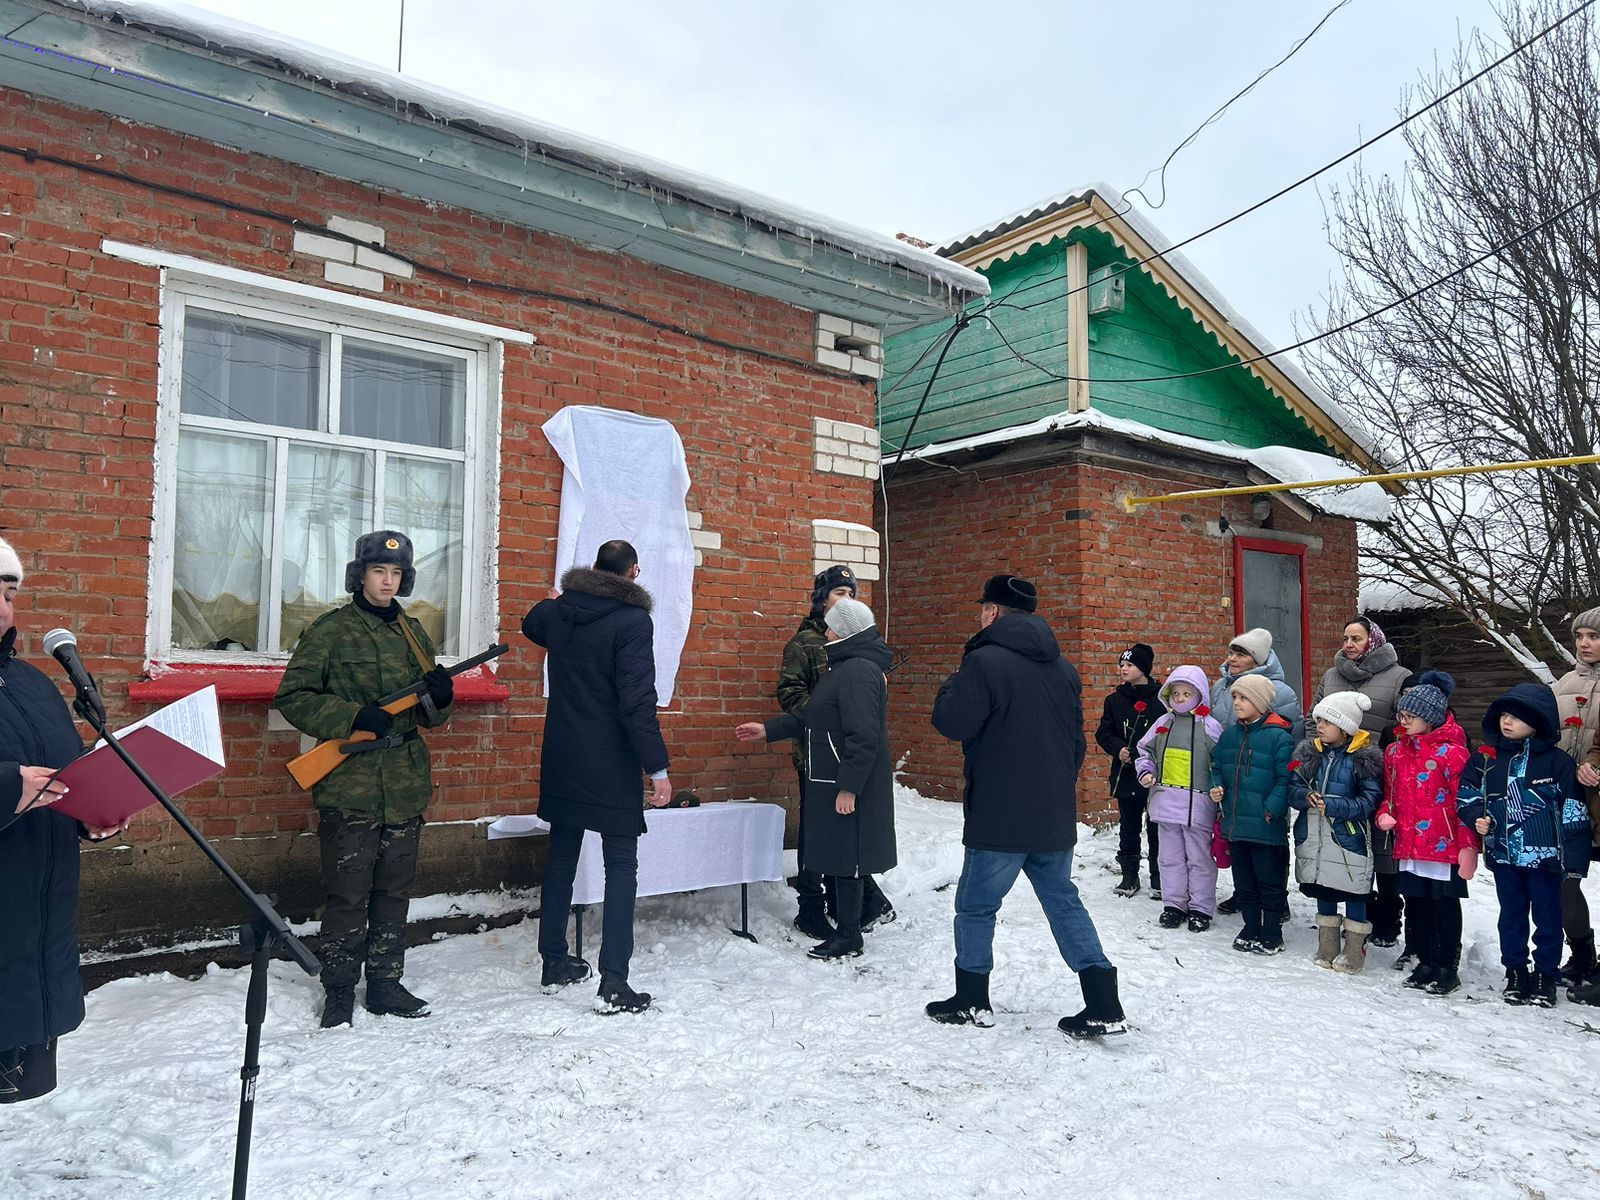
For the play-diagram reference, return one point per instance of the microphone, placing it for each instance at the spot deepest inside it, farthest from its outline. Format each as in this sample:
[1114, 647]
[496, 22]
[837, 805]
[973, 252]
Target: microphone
[60, 645]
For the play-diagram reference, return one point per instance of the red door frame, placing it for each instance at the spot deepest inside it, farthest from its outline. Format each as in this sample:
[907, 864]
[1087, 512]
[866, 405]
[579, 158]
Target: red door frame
[1271, 546]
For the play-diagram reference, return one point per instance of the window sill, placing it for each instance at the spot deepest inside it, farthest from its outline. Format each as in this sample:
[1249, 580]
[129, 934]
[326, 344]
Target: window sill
[256, 684]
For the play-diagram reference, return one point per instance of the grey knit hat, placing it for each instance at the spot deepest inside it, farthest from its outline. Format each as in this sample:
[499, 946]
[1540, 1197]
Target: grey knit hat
[1430, 699]
[1587, 620]
[10, 564]
[1257, 643]
[849, 617]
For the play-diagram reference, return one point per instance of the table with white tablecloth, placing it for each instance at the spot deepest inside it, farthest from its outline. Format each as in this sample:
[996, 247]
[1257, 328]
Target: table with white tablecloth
[683, 850]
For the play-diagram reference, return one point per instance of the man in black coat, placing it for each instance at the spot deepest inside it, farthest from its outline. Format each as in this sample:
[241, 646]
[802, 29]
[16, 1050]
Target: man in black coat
[600, 735]
[1129, 712]
[41, 994]
[1016, 707]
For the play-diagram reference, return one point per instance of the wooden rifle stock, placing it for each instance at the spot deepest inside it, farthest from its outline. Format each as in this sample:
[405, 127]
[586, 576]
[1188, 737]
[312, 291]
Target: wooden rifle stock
[317, 763]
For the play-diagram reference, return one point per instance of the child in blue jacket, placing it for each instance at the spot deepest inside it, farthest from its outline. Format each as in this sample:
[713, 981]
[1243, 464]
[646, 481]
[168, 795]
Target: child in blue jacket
[1250, 780]
[1522, 794]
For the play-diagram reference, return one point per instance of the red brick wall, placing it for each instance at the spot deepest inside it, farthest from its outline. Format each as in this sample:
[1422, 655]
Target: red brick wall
[1107, 579]
[78, 366]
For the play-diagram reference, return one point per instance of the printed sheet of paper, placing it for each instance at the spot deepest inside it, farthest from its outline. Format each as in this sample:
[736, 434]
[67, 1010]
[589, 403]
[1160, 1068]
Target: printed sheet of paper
[193, 722]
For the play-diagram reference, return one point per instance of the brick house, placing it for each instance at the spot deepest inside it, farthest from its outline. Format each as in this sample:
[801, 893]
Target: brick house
[256, 299]
[1084, 383]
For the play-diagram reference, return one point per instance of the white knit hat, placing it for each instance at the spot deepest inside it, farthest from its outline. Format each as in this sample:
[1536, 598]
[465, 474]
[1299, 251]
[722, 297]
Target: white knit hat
[849, 617]
[1257, 643]
[1343, 709]
[10, 564]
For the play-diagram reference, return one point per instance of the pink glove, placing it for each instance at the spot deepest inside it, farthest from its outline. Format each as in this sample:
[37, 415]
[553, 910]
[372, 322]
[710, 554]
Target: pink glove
[1468, 860]
[1385, 822]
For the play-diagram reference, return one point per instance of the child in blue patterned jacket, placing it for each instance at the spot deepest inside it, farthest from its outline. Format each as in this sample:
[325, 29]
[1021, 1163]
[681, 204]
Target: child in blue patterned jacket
[1522, 794]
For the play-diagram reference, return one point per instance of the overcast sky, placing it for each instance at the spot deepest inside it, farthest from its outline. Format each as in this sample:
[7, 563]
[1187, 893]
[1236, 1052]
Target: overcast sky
[934, 116]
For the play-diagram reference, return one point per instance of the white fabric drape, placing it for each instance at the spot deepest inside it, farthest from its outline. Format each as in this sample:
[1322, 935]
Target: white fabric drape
[626, 477]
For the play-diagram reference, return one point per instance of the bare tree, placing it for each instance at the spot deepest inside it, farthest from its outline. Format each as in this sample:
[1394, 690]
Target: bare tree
[1499, 363]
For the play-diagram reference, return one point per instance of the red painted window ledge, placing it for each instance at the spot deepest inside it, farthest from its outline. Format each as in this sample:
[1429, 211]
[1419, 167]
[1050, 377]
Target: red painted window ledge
[259, 684]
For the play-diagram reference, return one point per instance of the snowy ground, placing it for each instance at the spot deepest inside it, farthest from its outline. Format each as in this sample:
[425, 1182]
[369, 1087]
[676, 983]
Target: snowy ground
[761, 1073]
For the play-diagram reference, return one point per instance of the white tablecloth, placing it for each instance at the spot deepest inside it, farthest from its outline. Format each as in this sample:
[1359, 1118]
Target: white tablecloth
[685, 849]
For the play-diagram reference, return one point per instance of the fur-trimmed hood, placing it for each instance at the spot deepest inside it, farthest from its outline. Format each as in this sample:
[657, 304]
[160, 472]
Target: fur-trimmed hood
[607, 586]
[1366, 758]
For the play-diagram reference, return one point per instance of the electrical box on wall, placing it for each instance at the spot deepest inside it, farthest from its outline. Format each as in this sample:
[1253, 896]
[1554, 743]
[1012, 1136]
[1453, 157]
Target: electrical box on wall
[1107, 290]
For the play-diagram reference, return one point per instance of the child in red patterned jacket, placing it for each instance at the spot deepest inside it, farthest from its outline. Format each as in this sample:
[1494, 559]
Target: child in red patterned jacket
[1437, 853]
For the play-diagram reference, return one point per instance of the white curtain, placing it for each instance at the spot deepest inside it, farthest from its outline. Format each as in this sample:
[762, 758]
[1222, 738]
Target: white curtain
[626, 478]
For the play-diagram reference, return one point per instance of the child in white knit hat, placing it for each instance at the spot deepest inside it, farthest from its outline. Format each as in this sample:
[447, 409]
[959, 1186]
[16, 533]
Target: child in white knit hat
[1335, 783]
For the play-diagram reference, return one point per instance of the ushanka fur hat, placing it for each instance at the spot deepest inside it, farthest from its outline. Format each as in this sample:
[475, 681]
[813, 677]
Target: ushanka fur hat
[10, 564]
[381, 546]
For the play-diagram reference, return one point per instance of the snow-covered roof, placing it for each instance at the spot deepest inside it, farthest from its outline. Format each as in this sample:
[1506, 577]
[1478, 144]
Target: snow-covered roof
[1180, 265]
[237, 39]
[1389, 595]
[1362, 501]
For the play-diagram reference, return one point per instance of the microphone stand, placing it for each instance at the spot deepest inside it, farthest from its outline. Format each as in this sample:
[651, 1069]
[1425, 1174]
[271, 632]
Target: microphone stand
[265, 932]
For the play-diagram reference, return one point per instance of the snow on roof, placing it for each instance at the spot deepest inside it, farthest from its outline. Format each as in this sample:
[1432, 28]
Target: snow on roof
[1361, 502]
[239, 39]
[1184, 268]
[1389, 595]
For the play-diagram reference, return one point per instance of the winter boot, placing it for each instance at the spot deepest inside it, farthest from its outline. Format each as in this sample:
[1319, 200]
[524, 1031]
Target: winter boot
[1543, 992]
[1407, 962]
[1102, 1011]
[1199, 922]
[840, 945]
[1229, 907]
[615, 996]
[559, 972]
[338, 1006]
[1327, 939]
[1580, 964]
[875, 907]
[1587, 992]
[1422, 977]
[812, 919]
[970, 1004]
[1354, 957]
[1130, 883]
[1170, 917]
[1271, 939]
[1445, 979]
[389, 998]
[1519, 985]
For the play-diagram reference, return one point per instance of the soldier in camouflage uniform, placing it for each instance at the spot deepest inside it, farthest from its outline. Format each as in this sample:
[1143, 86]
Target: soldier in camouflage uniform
[805, 660]
[370, 806]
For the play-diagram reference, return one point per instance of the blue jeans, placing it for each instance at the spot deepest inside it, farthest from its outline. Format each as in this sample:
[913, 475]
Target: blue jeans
[620, 853]
[1521, 890]
[986, 877]
[1354, 910]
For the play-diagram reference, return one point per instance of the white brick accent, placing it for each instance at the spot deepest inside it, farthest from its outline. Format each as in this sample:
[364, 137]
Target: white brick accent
[821, 427]
[837, 359]
[696, 520]
[849, 346]
[866, 333]
[360, 230]
[845, 542]
[349, 276]
[705, 540]
[843, 448]
[833, 325]
[317, 246]
[865, 366]
[377, 260]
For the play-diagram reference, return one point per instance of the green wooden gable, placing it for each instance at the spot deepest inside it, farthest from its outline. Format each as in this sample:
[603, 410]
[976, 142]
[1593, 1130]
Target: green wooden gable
[999, 371]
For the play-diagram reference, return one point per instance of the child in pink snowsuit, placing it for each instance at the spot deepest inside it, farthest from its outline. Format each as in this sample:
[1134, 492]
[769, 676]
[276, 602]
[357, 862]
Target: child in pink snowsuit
[1174, 762]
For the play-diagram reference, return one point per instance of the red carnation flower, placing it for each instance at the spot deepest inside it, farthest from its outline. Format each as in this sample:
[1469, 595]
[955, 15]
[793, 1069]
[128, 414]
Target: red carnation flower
[1295, 765]
[1582, 700]
[1487, 751]
[1139, 706]
[1574, 721]
[1202, 710]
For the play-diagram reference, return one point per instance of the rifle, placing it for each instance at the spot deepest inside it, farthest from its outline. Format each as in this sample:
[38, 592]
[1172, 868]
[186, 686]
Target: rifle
[318, 762]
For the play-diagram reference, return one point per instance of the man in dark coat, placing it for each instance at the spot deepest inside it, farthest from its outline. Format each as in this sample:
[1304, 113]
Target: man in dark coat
[1128, 714]
[41, 994]
[600, 734]
[1016, 707]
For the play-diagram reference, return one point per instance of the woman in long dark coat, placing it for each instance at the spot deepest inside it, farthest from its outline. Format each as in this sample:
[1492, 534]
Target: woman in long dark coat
[848, 809]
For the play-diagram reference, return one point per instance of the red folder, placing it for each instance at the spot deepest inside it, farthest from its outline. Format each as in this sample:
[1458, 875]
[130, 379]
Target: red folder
[104, 792]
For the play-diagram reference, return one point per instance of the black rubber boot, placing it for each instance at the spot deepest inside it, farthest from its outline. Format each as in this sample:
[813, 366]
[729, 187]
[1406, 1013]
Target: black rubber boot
[1229, 907]
[615, 996]
[875, 906]
[559, 972]
[389, 998]
[840, 945]
[1102, 1011]
[1580, 964]
[969, 1006]
[338, 1006]
[1130, 882]
[812, 919]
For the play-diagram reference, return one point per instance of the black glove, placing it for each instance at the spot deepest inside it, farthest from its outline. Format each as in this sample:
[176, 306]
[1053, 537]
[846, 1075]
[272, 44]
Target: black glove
[372, 719]
[441, 687]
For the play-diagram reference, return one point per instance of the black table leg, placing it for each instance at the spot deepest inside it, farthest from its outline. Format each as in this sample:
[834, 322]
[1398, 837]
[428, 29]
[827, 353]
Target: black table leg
[744, 915]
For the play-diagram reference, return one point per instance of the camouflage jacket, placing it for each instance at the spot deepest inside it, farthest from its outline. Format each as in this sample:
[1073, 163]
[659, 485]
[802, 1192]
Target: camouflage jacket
[805, 660]
[348, 658]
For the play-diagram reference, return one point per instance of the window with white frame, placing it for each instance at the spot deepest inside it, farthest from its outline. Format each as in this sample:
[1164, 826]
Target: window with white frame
[287, 432]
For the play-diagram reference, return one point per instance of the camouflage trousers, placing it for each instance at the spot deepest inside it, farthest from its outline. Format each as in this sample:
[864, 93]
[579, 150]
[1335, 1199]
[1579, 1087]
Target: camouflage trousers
[367, 871]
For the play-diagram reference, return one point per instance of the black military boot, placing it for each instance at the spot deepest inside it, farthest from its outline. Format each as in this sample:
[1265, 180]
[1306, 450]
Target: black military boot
[615, 996]
[812, 919]
[559, 972]
[1542, 993]
[338, 1006]
[389, 998]
[969, 1006]
[1102, 1011]
[1519, 985]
